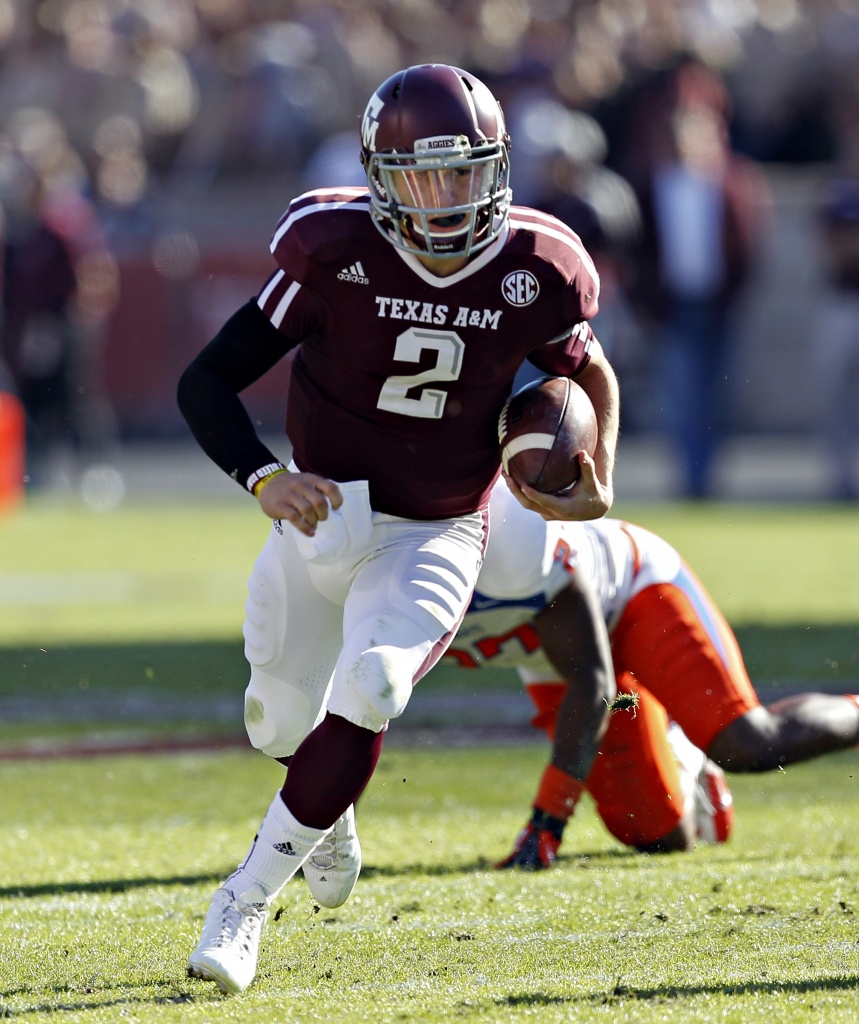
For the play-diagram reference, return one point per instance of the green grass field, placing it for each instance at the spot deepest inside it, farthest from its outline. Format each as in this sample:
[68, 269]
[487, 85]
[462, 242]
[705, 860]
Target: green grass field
[133, 620]
[107, 865]
[127, 626]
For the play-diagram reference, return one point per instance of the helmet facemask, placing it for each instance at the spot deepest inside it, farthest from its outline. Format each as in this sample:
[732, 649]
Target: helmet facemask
[446, 199]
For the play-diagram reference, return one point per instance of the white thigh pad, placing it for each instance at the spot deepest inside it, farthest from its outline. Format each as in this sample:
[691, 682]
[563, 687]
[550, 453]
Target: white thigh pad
[265, 608]
[292, 639]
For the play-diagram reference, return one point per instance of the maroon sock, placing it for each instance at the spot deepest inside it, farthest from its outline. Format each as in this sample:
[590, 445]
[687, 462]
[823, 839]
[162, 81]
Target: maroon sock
[330, 770]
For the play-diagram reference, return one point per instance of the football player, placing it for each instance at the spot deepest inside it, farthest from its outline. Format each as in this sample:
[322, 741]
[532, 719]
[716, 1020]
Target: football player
[673, 652]
[414, 301]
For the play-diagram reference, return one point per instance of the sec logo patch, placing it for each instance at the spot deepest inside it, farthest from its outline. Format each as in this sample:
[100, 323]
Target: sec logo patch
[520, 288]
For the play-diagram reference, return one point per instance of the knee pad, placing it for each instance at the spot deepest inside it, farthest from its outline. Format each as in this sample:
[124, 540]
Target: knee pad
[375, 684]
[277, 715]
[384, 677]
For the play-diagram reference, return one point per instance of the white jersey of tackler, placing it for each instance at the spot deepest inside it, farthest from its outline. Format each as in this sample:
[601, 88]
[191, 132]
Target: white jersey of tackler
[528, 561]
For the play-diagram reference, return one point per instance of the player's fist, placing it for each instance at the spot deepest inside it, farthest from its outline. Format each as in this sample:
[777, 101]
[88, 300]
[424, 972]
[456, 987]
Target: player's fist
[301, 499]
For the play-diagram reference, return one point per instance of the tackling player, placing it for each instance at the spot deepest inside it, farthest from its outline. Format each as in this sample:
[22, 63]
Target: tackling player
[414, 300]
[668, 641]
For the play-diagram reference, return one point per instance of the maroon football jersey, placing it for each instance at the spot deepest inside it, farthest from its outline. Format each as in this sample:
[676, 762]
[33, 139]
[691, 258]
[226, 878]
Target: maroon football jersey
[402, 375]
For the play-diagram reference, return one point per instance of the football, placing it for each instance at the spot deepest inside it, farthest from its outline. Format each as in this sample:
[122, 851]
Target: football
[541, 428]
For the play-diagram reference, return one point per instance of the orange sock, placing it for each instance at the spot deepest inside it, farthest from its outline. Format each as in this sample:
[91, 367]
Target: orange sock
[558, 793]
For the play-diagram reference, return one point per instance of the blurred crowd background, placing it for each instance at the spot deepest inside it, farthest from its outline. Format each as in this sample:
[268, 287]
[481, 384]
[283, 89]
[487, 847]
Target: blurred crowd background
[706, 150]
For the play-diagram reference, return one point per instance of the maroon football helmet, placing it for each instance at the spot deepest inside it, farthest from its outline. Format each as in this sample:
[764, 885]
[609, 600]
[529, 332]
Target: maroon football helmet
[435, 149]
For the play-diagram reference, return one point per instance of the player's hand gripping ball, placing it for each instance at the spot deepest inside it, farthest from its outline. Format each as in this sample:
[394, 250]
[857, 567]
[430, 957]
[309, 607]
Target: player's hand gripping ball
[541, 428]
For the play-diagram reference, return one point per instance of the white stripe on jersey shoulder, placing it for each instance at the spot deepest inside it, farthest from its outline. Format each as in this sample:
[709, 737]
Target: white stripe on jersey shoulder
[264, 295]
[352, 193]
[285, 300]
[582, 330]
[334, 190]
[472, 267]
[546, 225]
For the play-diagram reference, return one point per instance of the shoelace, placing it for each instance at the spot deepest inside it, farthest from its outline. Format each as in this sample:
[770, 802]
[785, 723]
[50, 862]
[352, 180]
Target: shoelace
[236, 924]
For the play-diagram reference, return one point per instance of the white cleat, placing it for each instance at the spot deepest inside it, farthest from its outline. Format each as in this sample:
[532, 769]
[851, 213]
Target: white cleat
[333, 868]
[228, 948]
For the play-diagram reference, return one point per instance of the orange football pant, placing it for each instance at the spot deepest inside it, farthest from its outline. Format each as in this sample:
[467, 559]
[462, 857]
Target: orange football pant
[676, 644]
[674, 648]
[634, 781]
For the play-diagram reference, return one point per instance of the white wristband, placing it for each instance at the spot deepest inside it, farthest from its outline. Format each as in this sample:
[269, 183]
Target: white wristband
[262, 473]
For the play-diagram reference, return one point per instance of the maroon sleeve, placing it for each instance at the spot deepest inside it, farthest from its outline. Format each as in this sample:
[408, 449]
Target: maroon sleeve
[568, 356]
[296, 311]
[243, 350]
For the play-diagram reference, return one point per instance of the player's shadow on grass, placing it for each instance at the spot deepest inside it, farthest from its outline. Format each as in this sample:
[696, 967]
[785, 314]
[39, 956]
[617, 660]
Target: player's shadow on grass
[171, 998]
[105, 885]
[600, 858]
[621, 993]
[368, 872]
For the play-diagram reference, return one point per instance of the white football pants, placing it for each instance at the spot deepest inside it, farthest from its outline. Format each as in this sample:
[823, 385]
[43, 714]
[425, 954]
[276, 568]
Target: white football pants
[349, 620]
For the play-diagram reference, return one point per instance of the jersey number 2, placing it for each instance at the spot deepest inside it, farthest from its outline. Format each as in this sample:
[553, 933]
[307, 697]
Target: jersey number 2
[430, 403]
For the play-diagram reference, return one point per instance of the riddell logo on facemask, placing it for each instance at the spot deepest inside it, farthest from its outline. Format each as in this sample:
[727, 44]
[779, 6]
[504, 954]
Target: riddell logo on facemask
[354, 274]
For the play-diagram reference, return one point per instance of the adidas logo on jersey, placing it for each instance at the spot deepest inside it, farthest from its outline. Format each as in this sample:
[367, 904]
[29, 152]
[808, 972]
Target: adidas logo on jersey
[355, 274]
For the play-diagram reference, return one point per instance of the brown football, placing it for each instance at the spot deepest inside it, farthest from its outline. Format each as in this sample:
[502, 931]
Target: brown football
[541, 428]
